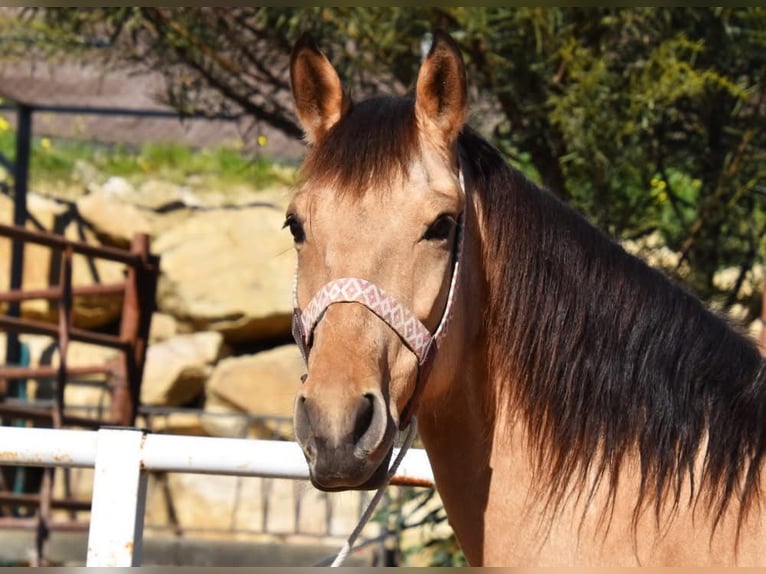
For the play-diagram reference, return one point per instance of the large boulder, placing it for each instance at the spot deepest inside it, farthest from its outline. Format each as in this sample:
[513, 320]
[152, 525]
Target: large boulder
[262, 384]
[163, 327]
[117, 209]
[223, 419]
[282, 508]
[229, 270]
[115, 220]
[37, 259]
[42, 264]
[176, 369]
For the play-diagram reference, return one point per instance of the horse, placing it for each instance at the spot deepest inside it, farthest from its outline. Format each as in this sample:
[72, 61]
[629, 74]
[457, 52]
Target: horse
[578, 407]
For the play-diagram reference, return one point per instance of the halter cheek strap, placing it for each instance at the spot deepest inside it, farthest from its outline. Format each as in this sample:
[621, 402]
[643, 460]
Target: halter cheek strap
[411, 330]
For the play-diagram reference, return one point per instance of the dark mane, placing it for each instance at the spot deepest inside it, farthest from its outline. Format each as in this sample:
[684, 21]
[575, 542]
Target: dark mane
[374, 141]
[603, 355]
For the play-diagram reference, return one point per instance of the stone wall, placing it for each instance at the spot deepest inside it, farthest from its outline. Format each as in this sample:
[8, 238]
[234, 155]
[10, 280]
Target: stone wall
[224, 290]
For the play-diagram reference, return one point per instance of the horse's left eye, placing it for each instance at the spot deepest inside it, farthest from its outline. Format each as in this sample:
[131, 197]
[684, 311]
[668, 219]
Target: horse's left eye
[440, 229]
[296, 228]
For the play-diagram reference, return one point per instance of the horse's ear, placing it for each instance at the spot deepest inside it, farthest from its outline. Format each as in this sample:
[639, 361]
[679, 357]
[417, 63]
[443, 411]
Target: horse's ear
[317, 92]
[441, 95]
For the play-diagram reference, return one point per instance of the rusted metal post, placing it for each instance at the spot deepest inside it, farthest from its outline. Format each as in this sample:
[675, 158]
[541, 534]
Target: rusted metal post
[20, 184]
[140, 291]
[123, 409]
[65, 325]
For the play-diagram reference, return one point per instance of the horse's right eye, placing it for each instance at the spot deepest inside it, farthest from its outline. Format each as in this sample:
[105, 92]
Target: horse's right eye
[296, 228]
[440, 229]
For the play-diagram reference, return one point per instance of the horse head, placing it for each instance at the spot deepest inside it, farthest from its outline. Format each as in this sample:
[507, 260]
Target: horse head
[377, 222]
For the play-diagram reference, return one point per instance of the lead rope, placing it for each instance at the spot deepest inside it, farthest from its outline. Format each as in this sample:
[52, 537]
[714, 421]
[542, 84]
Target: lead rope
[365, 518]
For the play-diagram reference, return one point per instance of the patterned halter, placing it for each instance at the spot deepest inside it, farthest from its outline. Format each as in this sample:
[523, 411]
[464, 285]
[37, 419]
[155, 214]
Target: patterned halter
[413, 333]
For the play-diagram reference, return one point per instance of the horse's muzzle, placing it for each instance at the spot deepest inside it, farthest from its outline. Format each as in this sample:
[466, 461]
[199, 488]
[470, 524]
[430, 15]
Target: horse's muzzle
[346, 448]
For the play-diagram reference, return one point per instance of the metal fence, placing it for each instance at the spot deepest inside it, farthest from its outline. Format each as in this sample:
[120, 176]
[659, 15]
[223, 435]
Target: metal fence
[122, 459]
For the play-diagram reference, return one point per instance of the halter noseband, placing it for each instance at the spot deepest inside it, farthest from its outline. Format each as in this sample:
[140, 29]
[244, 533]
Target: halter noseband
[411, 330]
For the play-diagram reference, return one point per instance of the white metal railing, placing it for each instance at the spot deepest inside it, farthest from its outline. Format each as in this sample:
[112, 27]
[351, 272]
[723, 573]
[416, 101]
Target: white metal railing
[123, 457]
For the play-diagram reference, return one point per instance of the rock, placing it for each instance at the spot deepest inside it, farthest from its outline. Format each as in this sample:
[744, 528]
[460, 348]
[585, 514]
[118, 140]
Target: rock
[264, 383]
[158, 195]
[36, 258]
[163, 327]
[229, 270]
[277, 508]
[42, 264]
[222, 418]
[176, 369]
[185, 423]
[114, 220]
[117, 187]
[93, 311]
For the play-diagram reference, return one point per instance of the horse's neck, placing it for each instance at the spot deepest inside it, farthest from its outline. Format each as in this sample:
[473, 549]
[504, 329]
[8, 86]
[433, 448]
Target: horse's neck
[479, 466]
[455, 430]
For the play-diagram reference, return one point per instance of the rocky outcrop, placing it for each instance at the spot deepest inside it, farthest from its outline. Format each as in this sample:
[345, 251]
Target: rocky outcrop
[177, 368]
[115, 221]
[226, 275]
[42, 265]
[262, 384]
[229, 270]
[226, 264]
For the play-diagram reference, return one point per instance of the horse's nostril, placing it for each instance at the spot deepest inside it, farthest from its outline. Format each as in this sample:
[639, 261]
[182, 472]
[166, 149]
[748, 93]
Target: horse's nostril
[364, 417]
[303, 430]
[371, 424]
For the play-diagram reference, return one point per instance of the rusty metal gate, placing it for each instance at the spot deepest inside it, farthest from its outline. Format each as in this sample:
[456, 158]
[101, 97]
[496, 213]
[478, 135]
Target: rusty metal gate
[26, 494]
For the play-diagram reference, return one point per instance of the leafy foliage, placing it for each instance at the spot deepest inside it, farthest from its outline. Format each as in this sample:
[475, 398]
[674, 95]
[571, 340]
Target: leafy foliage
[649, 120]
[409, 508]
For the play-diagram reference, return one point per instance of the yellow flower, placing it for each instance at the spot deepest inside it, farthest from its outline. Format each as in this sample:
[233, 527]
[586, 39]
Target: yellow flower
[262, 141]
[658, 183]
[45, 143]
[4, 125]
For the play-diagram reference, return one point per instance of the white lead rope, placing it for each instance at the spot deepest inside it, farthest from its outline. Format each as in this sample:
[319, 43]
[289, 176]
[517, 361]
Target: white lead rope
[344, 551]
